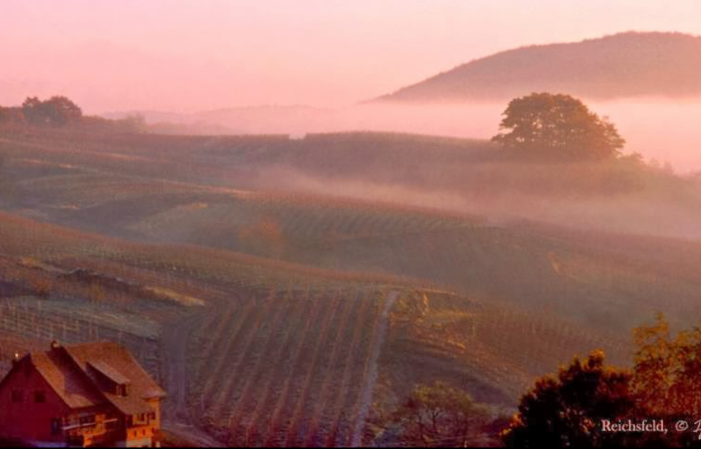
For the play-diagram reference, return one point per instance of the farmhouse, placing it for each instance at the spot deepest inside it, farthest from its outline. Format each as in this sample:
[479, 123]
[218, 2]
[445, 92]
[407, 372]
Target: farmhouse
[84, 395]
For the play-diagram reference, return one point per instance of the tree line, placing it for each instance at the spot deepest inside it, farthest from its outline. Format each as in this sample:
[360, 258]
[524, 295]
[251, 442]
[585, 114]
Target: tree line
[56, 111]
[60, 111]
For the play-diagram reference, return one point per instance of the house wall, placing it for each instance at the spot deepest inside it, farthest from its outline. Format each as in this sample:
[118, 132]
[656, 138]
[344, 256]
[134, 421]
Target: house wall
[99, 433]
[146, 435]
[156, 404]
[29, 421]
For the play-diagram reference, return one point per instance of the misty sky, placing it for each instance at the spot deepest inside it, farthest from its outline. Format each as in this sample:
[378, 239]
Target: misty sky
[197, 55]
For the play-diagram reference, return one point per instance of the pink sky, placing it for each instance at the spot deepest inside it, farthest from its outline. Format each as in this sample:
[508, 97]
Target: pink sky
[196, 55]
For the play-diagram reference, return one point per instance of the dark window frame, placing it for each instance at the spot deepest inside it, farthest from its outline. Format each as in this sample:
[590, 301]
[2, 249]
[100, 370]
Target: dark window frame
[40, 397]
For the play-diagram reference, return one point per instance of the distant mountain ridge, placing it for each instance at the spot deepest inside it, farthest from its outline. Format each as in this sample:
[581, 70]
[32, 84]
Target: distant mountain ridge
[625, 65]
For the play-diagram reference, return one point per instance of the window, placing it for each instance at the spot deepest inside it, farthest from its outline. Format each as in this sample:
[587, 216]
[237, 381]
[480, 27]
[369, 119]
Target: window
[39, 397]
[87, 420]
[17, 396]
[122, 390]
[139, 420]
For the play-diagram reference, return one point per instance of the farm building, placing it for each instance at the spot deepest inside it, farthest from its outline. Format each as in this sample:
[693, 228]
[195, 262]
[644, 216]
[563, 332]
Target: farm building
[84, 395]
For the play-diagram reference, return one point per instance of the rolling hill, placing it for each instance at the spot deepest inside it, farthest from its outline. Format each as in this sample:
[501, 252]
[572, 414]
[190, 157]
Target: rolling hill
[619, 66]
[299, 342]
[285, 315]
[464, 176]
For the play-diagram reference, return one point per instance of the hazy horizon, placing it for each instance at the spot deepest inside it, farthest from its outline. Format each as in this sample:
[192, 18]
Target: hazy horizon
[188, 57]
[661, 130]
[194, 56]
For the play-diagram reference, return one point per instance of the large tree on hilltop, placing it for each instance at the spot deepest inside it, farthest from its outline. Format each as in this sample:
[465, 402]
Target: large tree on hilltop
[544, 125]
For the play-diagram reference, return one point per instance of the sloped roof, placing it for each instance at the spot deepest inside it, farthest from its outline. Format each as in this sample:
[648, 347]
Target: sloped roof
[66, 380]
[119, 359]
[110, 373]
[115, 361]
[73, 372]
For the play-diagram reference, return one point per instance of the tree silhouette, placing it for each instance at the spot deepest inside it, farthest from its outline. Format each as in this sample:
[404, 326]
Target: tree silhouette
[12, 115]
[56, 111]
[568, 410]
[439, 416]
[557, 126]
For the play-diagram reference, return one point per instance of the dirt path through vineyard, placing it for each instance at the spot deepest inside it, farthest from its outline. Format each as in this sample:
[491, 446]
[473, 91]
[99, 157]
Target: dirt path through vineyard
[369, 387]
[178, 419]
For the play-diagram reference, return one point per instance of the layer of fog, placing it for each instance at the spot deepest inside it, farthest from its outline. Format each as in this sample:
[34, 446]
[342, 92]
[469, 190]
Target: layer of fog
[638, 213]
[665, 131]
[662, 131]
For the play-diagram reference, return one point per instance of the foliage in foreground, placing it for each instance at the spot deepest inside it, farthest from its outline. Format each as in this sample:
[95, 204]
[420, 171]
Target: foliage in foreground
[437, 415]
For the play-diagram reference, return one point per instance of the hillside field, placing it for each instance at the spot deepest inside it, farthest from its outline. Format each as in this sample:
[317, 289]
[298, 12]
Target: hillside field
[294, 316]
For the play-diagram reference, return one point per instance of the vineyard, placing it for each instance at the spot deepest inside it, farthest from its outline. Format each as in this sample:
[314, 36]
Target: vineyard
[495, 351]
[37, 320]
[294, 318]
[232, 161]
[531, 267]
[274, 353]
[527, 267]
[287, 368]
[11, 344]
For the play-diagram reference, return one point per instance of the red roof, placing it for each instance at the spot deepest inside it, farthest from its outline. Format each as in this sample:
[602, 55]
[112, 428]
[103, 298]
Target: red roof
[74, 373]
[119, 363]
